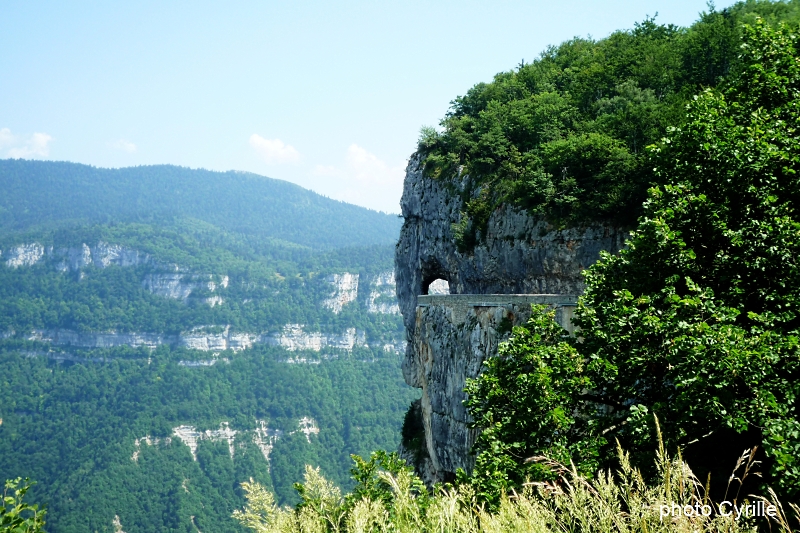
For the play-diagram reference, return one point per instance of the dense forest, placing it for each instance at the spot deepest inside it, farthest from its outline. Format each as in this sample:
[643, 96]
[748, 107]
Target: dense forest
[689, 335]
[121, 294]
[74, 427]
[261, 295]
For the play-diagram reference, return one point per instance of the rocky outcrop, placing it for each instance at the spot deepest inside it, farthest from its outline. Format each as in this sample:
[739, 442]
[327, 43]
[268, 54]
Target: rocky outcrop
[292, 337]
[263, 437]
[345, 290]
[147, 440]
[453, 337]
[197, 339]
[295, 337]
[180, 285]
[24, 255]
[74, 258]
[382, 297]
[68, 337]
[380, 292]
[518, 255]
[191, 437]
[308, 426]
[166, 280]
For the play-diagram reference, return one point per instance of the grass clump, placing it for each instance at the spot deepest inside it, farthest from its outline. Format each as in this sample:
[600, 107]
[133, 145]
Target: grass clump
[389, 497]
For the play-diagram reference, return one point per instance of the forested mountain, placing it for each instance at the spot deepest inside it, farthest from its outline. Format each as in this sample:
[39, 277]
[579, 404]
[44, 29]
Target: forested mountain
[166, 334]
[46, 193]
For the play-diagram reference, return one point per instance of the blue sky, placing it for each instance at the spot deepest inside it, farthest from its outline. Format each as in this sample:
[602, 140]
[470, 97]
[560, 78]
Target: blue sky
[328, 95]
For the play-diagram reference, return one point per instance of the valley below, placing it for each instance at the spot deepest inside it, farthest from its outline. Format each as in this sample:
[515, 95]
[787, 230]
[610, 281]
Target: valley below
[151, 362]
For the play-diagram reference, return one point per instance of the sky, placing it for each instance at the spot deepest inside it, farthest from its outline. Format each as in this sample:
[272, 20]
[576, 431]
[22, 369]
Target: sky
[328, 95]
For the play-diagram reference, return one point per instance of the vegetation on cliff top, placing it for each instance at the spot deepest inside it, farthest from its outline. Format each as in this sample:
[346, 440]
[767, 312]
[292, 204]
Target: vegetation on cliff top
[565, 136]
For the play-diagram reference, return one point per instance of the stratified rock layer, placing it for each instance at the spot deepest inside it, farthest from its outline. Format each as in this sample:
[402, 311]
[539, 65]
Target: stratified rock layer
[519, 254]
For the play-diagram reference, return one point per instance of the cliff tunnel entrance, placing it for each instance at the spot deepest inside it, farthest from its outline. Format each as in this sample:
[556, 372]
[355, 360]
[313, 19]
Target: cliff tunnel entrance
[435, 286]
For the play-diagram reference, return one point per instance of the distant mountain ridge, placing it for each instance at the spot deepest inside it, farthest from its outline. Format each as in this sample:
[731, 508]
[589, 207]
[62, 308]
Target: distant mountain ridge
[42, 194]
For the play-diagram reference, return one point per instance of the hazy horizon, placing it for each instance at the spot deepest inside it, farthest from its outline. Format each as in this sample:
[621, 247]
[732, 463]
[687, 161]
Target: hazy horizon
[328, 96]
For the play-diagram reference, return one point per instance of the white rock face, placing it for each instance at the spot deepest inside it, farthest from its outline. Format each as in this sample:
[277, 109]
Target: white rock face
[25, 255]
[172, 282]
[66, 337]
[104, 255]
[191, 437]
[398, 347]
[168, 285]
[299, 360]
[383, 288]
[294, 337]
[213, 301]
[345, 290]
[204, 362]
[308, 426]
[179, 286]
[242, 341]
[73, 258]
[264, 438]
[198, 340]
[149, 441]
[117, 524]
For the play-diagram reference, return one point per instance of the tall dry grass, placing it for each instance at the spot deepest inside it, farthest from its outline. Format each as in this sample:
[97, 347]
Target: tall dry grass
[612, 502]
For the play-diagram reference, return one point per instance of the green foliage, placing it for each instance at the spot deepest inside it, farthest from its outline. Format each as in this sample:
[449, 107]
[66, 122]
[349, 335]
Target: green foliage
[413, 433]
[697, 319]
[371, 482]
[258, 299]
[73, 426]
[17, 516]
[524, 402]
[564, 136]
[74, 418]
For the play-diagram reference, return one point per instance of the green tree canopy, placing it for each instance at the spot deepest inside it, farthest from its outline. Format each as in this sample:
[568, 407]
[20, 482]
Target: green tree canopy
[697, 319]
[564, 136]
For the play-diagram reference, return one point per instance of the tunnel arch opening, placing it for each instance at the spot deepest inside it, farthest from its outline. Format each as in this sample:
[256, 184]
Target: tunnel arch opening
[435, 285]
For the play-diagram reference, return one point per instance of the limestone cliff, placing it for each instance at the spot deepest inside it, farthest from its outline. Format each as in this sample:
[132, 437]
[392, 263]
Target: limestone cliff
[173, 281]
[345, 290]
[447, 343]
[292, 337]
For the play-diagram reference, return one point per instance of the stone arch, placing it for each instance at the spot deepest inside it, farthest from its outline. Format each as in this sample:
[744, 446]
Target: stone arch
[434, 278]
